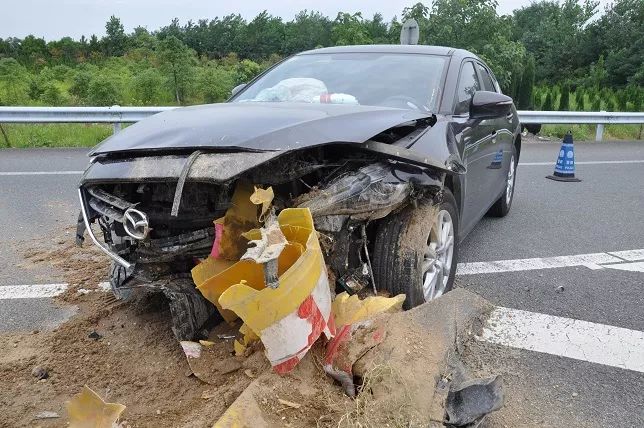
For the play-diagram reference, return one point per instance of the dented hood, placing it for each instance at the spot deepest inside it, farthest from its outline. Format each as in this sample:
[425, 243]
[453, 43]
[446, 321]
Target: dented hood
[256, 127]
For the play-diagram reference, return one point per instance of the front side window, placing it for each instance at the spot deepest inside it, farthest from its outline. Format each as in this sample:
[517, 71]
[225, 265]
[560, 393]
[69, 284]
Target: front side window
[488, 83]
[412, 81]
[468, 83]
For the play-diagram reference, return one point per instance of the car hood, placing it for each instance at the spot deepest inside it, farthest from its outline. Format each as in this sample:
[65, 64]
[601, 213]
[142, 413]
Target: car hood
[256, 127]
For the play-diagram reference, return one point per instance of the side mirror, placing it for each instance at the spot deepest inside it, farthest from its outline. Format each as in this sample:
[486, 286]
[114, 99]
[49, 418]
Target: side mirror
[489, 105]
[237, 88]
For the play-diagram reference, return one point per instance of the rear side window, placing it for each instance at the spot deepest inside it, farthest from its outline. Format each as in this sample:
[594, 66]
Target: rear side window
[488, 83]
[468, 83]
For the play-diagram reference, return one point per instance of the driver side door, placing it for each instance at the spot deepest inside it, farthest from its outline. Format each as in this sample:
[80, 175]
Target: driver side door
[479, 149]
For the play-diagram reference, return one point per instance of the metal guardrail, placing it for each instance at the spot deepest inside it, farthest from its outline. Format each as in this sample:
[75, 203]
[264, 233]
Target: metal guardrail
[118, 115]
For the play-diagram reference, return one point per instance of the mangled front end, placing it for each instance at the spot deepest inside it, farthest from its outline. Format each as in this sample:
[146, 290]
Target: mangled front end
[155, 213]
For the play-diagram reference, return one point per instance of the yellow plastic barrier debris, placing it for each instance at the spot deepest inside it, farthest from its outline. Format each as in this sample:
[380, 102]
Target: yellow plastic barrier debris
[239, 218]
[262, 197]
[349, 310]
[88, 410]
[289, 318]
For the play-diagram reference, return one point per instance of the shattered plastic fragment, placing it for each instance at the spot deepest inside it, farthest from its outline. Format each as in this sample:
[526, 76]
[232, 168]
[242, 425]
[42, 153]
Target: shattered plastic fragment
[203, 275]
[263, 197]
[248, 337]
[219, 232]
[88, 410]
[267, 250]
[240, 217]
[290, 318]
[350, 309]
[469, 402]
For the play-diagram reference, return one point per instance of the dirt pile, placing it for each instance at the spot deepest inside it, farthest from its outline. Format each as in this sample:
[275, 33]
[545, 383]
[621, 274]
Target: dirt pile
[126, 352]
[133, 359]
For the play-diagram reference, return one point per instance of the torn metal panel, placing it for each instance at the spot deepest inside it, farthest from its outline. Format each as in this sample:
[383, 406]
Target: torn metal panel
[451, 165]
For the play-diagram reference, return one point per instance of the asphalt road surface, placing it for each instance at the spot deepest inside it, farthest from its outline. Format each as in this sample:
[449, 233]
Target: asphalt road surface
[567, 263]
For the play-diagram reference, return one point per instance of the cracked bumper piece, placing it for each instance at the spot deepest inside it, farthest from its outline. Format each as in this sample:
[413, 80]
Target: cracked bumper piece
[287, 319]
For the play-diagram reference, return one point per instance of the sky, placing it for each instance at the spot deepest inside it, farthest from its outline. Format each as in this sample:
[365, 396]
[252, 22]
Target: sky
[53, 19]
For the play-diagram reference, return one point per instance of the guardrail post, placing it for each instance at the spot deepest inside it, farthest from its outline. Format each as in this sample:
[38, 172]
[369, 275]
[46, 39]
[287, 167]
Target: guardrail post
[117, 127]
[599, 134]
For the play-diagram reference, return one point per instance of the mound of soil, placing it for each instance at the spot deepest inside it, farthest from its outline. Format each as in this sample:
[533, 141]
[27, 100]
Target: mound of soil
[136, 362]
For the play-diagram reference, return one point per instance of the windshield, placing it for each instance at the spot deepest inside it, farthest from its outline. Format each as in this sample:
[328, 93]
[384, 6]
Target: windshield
[375, 79]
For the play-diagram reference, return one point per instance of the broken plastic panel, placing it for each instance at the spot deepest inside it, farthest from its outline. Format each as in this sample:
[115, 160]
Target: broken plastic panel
[88, 410]
[288, 319]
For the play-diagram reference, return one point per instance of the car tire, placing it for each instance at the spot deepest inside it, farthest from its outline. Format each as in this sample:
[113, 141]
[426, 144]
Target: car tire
[502, 206]
[403, 248]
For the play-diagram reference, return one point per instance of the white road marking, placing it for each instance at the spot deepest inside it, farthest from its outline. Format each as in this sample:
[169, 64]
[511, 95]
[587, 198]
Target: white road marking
[566, 337]
[19, 173]
[606, 162]
[31, 291]
[630, 267]
[630, 255]
[592, 261]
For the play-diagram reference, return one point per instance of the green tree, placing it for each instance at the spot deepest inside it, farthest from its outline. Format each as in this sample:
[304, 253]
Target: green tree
[264, 35]
[80, 85]
[618, 36]
[12, 81]
[527, 85]
[564, 100]
[178, 64]
[598, 74]
[147, 86]
[36, 87]
[548, 104]
[215, 83]
[349, 29]
[52, 95]
[307, 31]
[103, 91]
[553, 31]
[115, 39]
[247, 70]
[34, 50]
[579, 99]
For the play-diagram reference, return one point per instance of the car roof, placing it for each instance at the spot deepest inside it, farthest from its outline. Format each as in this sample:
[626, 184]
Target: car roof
[405, 49]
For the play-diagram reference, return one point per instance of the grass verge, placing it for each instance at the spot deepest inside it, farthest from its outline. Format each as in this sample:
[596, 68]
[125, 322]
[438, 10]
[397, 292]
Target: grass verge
[54, 135]
[587, 132]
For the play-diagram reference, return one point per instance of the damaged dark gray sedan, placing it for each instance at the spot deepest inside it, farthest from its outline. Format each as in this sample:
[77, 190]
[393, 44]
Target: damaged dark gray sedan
[397, 151]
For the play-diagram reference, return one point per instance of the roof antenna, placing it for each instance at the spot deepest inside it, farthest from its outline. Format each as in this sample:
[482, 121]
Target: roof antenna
[409, 32]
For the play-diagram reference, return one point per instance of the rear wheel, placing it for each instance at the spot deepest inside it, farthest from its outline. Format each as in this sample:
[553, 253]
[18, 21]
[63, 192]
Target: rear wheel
[415, 250]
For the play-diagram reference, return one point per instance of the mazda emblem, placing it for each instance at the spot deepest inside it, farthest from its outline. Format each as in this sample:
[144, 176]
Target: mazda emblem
[136, 224]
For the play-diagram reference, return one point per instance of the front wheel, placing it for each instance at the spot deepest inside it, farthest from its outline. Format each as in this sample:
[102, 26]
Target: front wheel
[415, 250]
